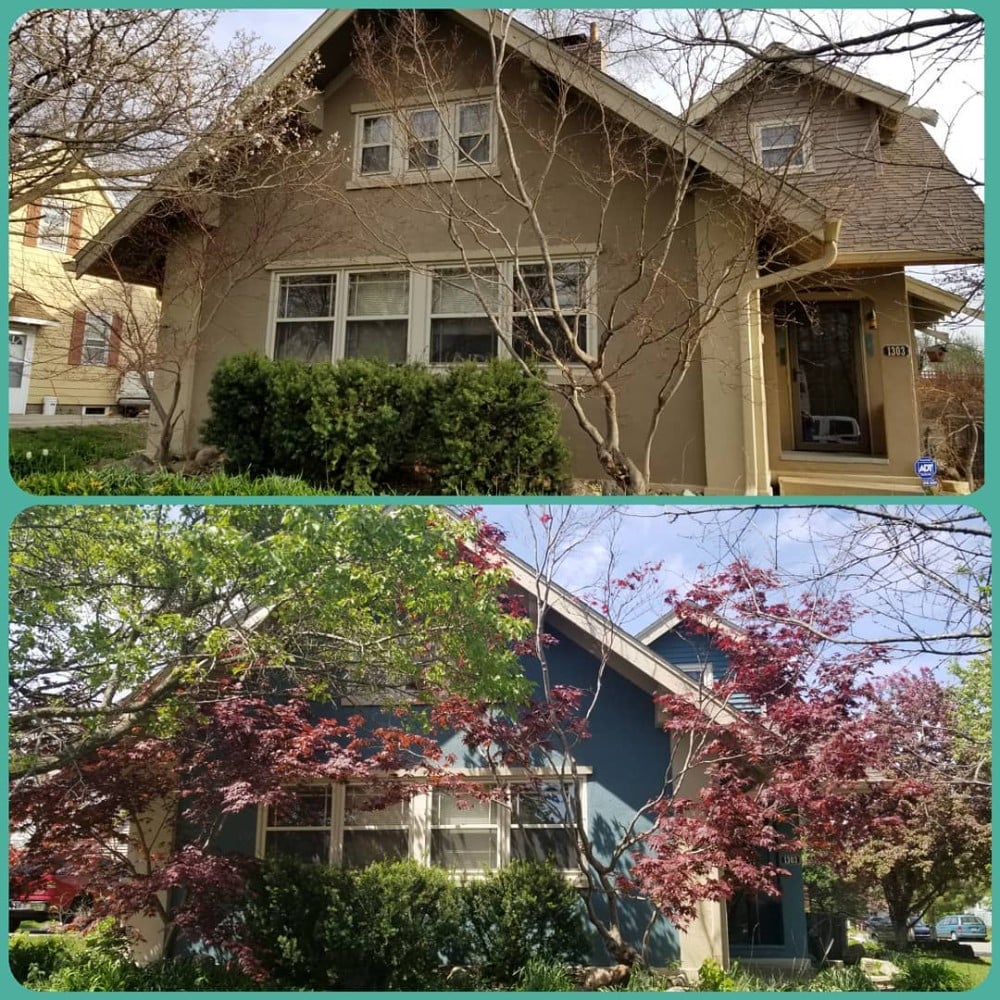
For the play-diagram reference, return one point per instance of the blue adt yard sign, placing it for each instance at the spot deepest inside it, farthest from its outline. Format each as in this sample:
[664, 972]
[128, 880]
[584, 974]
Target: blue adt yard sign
[926, 468]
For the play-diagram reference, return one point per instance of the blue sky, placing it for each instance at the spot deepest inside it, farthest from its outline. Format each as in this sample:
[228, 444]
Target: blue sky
[819, 547]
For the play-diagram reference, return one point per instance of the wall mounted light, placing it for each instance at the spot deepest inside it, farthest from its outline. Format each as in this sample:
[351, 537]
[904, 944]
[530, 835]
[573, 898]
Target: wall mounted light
[871, 319]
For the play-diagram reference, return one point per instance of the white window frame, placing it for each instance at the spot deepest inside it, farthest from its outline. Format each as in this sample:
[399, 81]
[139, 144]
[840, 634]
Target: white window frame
[804, 144]
[451, 164]
[91, 353]
[59, 242]
[276, 319]
[421, 817]
[387, 318]
[421, 303]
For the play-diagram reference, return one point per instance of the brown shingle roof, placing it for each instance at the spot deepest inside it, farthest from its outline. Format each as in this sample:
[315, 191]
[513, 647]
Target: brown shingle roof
[918, 201]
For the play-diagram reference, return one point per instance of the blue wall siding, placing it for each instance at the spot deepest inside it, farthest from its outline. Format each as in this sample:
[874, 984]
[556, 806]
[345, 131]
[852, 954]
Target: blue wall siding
[682, 648]
[628, 755]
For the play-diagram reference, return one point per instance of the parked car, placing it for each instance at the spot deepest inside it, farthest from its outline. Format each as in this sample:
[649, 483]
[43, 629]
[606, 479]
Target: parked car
[961, 927]
[51, 895]
[879, 927]
[922, 933]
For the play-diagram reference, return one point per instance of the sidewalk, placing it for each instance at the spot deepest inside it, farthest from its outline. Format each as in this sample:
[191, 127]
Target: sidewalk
[64, 420]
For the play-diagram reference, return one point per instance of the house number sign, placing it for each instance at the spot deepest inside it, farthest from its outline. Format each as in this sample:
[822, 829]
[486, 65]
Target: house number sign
[896, 350]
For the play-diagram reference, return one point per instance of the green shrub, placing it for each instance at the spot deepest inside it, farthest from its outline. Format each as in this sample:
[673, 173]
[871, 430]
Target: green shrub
[118, 481]
[391, 926]
[407, 925]
[492, 430]
[298, 923]
[239, 399]
[712, 978]
[540, 975]
[522, 912]
[841, 979]
[37, 956]
[362, 426]
[928, 975]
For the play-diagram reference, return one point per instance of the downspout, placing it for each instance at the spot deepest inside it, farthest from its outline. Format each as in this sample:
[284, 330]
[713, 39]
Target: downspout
[755, 459]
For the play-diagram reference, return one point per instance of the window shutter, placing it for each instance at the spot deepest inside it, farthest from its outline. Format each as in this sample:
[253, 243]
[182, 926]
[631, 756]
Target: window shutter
[75, 240]
[31, 222]
[114, 341]
[76, 337]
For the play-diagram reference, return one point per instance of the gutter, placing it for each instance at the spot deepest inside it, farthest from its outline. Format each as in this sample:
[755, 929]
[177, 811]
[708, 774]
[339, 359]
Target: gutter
[755, 457]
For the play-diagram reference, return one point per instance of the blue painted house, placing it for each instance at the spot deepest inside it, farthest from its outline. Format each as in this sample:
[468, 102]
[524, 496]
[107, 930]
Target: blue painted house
[615, 772]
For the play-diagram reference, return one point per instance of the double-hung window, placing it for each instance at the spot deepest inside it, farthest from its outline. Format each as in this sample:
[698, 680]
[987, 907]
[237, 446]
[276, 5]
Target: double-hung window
[783, 146]
[376, 144]
[304, 325]
[540, 329]
[424, 135]
[301, 826]
[378, 311]
[53, 225]
[475, 132]
[463, 304]
[374, 830]
[96, 339]
[465, 833]
[542, 823]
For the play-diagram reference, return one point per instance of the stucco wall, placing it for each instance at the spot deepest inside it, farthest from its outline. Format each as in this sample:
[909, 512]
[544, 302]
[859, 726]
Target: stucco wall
[339, 227]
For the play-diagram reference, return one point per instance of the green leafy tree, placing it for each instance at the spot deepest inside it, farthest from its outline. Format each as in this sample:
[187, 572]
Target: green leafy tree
[116, 611]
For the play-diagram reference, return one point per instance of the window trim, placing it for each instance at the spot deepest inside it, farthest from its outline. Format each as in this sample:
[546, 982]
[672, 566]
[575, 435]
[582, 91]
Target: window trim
[106, 323]
[418, 347]
[804, 144]
[421, 816]
[60, 244]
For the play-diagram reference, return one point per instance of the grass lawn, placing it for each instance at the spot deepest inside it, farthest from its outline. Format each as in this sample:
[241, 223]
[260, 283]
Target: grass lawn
[974, 970]
[72, 448]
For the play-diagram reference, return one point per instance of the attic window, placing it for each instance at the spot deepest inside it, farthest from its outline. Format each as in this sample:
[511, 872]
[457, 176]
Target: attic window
[53, 225]
[783, 146]
[454, 139]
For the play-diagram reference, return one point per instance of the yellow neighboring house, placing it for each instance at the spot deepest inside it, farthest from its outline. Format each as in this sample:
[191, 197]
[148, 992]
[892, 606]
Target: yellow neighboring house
[67, 352]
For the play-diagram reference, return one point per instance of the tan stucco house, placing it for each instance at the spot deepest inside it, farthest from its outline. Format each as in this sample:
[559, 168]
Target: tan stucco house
[737, 279]
[65, 333]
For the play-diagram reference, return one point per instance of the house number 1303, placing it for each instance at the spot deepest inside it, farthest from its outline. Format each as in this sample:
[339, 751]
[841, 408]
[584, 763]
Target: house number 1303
[896, 350]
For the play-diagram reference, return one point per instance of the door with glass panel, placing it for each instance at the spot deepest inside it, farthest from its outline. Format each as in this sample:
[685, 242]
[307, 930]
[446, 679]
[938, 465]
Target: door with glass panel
[21, 345]
[825, 365]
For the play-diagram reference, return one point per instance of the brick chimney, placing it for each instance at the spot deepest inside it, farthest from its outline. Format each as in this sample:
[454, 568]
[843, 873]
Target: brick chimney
[586, 47]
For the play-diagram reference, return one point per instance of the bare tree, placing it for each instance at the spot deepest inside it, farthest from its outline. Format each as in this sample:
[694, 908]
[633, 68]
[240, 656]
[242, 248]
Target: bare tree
[105, 98]
[527, 253]
[225, 212]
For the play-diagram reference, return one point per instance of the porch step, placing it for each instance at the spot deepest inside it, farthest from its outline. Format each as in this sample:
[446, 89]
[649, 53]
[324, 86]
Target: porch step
[821, 484]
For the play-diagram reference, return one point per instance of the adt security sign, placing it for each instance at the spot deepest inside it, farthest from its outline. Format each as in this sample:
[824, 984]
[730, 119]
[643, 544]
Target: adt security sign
[926, 468]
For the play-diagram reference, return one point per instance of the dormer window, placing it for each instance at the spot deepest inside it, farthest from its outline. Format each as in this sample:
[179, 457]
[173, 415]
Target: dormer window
[783, 146]
[453, 140]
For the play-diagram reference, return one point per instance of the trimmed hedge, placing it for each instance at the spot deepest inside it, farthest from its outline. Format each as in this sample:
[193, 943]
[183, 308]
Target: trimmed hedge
[397, 925]
[38, 956]
[363, 427]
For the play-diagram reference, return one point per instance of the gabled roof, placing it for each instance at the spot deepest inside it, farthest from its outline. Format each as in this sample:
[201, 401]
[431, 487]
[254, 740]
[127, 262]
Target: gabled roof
[668, 622]
[801, 210]
[776, 55]
[627, 655]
